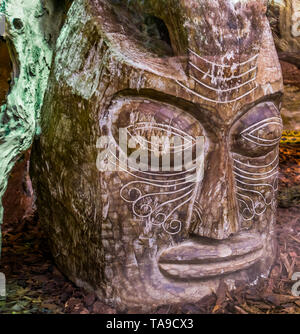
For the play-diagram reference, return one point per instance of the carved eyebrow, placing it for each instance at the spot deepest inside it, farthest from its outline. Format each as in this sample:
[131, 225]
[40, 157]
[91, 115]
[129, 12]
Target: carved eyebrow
[266, 99]
[167, 128]
[160, 126]
[254, 127]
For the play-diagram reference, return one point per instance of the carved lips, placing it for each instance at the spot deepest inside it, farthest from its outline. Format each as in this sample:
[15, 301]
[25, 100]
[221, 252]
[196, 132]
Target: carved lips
[198, 259]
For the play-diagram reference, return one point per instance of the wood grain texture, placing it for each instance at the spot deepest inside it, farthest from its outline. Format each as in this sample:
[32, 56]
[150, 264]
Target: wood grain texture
[106, 75]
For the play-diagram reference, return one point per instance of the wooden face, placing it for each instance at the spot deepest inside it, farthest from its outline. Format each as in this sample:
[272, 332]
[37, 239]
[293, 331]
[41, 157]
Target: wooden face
[227, 95]
[171, 235]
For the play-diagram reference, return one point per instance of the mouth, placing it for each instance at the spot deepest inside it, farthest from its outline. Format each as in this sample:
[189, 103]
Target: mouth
[199, 259]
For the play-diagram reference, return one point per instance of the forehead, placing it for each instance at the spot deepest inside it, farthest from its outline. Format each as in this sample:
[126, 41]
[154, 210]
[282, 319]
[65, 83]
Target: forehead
[208, 34]
[224, 25]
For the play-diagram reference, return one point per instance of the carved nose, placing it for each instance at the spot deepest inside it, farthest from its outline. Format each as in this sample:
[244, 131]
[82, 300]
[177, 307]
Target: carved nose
[216, 197]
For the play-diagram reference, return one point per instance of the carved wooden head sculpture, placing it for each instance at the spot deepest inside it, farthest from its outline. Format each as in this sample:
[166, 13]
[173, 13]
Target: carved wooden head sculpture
[173, 68]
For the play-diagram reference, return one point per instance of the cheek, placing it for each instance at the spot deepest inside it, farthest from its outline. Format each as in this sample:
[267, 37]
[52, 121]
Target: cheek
[148, 198]
[256, 184]
[254, 141]
[140, 205]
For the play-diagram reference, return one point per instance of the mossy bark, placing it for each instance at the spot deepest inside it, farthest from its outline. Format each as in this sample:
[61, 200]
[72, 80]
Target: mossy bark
[30, 39]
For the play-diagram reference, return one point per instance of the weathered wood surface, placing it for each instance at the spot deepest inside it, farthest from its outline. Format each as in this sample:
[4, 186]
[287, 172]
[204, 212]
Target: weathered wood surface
[215, 67]
[30, 39]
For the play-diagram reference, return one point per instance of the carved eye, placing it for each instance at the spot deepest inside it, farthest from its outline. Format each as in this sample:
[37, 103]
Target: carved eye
[257, 132]
[158, 134]
[265, 133]
[159, 139]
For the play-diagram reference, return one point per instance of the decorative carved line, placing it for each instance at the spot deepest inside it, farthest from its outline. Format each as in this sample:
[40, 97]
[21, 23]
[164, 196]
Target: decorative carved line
[222, 79]
[144, 126]
[251, 210]
[267, 120]
[186, 179]
[258, 174]
[260, 166]
[255, 185]
[158, 126]
[216, 101]
[223, 65]
[249, 207]
[257, 201]
[145, 205]
[216, 78]
[223, 90]
[196, 214]
[254, 179]
[248, 133]
[155, 213]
